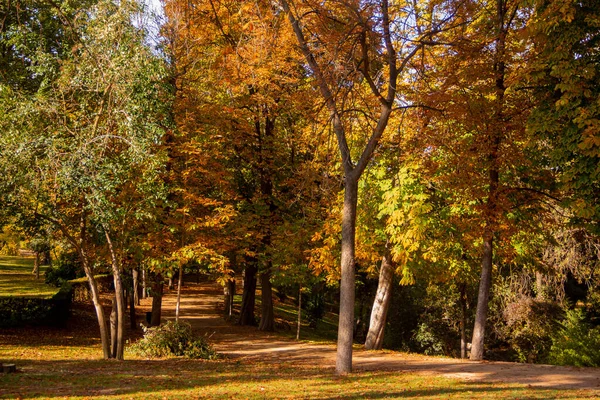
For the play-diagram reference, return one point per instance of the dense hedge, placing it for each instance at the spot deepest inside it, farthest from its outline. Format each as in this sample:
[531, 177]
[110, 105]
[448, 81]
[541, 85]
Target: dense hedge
[19, 311]
[81, 287]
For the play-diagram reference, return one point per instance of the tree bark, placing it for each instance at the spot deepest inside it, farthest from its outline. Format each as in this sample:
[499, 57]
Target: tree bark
[114, 323]
[267, 316]
[463, 321]
[299, 312]
[381, 304]
[485, 284]
[136, 286]
[132, 317]
[248, 297]
[144, 283]
[157, 293]
[118, 282]
[178, 306]
[343, 362]
[229, 292]
[97, 306]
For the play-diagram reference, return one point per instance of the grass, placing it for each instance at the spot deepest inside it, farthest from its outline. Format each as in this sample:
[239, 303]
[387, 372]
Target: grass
[16, 279]
[50, 370]
[65, 363]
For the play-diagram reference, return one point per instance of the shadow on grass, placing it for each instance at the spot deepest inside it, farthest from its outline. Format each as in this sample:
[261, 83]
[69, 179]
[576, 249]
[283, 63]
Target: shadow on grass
[179, 378]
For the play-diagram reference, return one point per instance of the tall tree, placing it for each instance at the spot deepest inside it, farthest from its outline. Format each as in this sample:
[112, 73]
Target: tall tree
[348, 44]
[84, 149]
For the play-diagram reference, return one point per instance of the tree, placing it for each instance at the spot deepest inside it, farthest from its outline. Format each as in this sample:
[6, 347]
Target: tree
[83, 152]
[349, 45]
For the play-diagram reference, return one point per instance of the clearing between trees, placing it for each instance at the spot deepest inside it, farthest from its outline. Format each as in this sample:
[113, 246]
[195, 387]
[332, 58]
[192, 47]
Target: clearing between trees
[200, 308]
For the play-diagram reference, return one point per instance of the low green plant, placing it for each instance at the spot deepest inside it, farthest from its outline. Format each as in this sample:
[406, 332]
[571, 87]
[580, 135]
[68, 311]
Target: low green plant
[173, 339]
[576, 343]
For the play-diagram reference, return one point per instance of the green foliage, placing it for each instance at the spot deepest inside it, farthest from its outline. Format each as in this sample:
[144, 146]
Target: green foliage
[576, 343]
[173, 339]
[65, 268]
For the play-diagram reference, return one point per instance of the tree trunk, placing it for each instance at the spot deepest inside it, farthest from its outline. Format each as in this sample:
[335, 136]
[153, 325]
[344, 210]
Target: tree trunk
[144, 283]
[178, 306]
[97, 306]
[157, 293]
[36, 266]
[494, 179]
[132, 318]
[299, 312]
[267, 317]
[463, 321]
[248, 297]
[136, 287]
[381, 304]
[343, 363]
[119, 298]
[485, 284]
[229, 292]
[114, 335]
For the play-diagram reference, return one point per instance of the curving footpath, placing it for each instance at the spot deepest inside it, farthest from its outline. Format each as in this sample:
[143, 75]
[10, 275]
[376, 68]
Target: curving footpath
[199, 307]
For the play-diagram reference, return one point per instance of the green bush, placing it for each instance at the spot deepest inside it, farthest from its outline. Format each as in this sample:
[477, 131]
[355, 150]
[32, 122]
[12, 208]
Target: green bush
[576, 343]
[173, 339]
[65, 268]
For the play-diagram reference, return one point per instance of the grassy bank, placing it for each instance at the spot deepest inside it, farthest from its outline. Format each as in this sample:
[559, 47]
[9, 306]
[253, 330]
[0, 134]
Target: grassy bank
[16, 279]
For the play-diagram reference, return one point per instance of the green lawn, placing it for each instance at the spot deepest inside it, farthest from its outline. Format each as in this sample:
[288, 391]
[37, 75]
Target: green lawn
[16, 278]
[54, 371]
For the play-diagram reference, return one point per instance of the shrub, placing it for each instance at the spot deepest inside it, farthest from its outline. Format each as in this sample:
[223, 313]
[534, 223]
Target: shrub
[576, 343]
[173, 339]
[529, 326]
[65, 268]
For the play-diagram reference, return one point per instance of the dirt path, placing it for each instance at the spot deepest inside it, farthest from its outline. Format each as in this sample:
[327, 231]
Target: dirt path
[199, 308]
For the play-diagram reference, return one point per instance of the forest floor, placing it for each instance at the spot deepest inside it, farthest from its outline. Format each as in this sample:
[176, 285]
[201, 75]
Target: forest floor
[66, 363]
[200, 307]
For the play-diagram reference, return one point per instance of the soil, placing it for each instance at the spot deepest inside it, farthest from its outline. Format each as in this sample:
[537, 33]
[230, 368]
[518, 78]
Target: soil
[200, 307]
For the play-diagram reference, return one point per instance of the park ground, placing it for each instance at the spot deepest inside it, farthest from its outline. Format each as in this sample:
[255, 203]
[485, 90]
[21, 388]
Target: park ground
[65, 363]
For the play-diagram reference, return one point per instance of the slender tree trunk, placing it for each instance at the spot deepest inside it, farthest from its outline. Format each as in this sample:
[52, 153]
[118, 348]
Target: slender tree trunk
[132, 317]
[485, 284]
[463, 321]
[144, 283]
[381, 304]
[119, 298]
[136, 287]
[267, 317]
[299, 313]
[229, 292]
[347, 285]
[177, 308]
[248, 297]
[114, 335]
[97, 306]
[36, 266]
[157, 293]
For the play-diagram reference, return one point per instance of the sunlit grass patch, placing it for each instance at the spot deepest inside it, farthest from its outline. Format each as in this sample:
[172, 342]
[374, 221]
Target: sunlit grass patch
[192, 379]
[16, 279]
